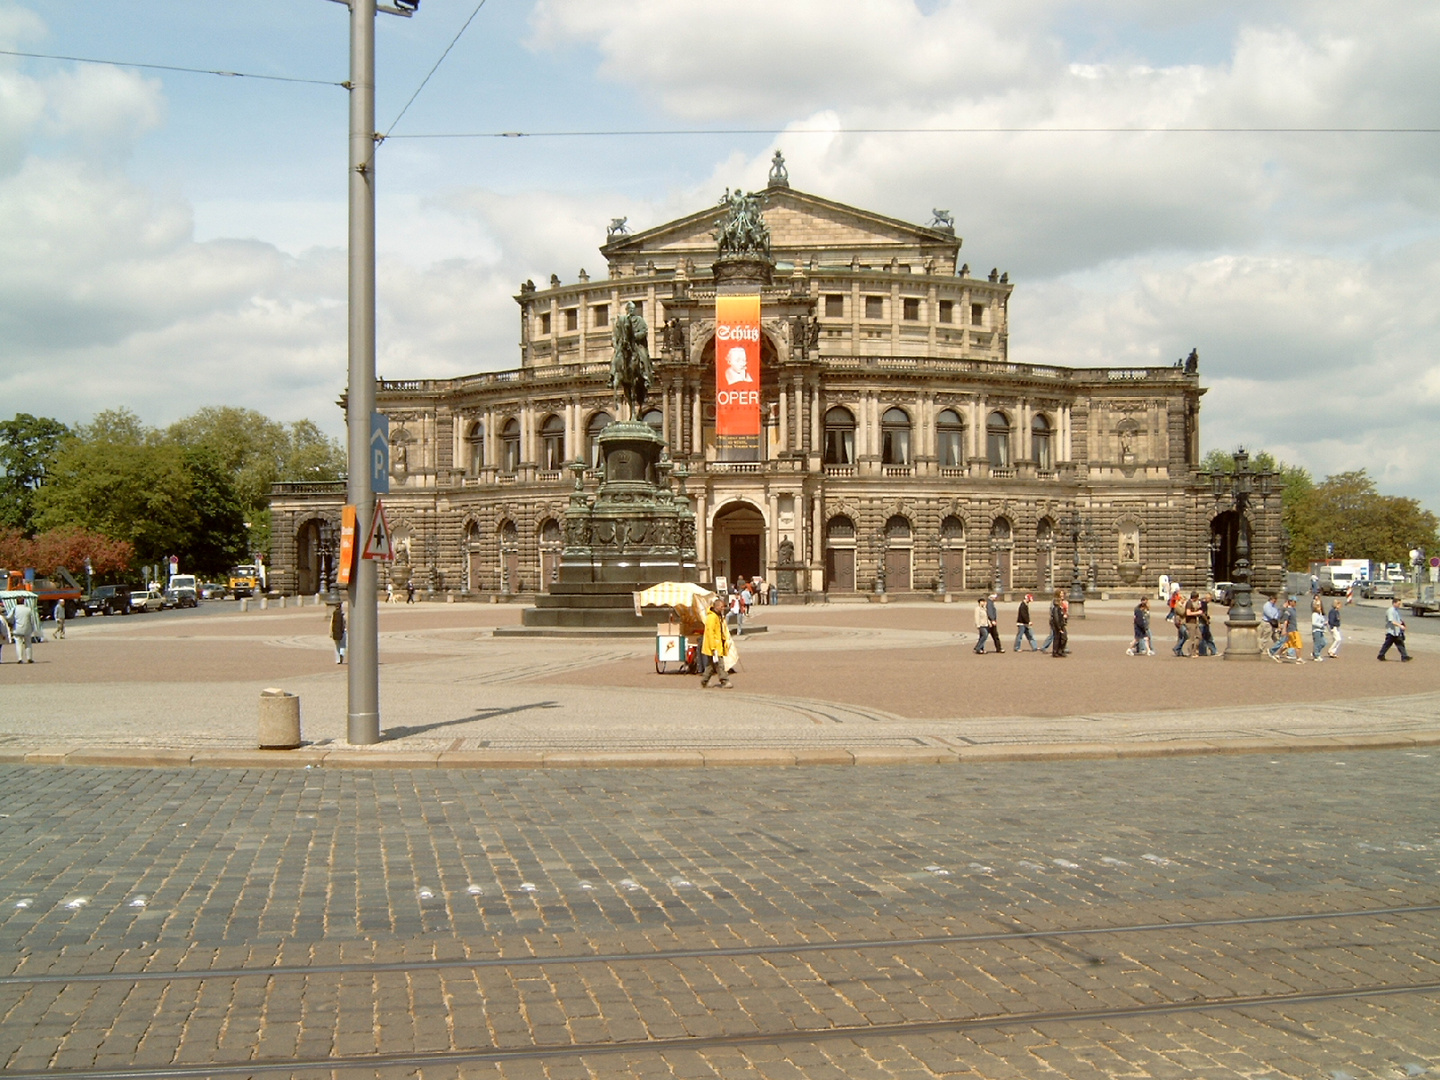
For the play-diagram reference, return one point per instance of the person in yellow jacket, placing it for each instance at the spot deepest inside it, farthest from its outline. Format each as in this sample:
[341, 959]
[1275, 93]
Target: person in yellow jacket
[715, 644]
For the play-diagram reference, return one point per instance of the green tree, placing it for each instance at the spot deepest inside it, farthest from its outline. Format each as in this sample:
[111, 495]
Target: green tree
[1347, 511]
[256, 452]
[27, 446]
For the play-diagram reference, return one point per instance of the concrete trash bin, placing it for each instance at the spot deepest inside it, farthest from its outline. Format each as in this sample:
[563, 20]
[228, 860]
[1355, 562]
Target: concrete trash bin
[279, 719]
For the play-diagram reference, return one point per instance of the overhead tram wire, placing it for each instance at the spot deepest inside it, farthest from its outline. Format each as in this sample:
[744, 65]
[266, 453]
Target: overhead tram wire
[677, 132]
[173, 67]
[379, 138]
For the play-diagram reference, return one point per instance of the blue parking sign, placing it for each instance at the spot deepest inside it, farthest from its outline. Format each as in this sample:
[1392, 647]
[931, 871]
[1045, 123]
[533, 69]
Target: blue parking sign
[380, 453]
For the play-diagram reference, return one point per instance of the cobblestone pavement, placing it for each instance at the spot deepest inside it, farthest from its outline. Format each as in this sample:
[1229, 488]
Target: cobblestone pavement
[830, 680]
[1214, 916]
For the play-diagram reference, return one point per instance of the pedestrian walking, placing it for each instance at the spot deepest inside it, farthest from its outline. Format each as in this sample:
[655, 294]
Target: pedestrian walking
[1318, 626]
[409, 590]
[389, 592]
[1394, 632]
[1289, 643]
[1207, 639]
[59, 620]
[715, 646]
[982, 625]
[1059, 617]
[27, 632]
[1192, 625]
[992, 622]
[1141, 646]
[1333, 622]
[337, 632]
[1022, 625]
[6, 637]
[1270, 613]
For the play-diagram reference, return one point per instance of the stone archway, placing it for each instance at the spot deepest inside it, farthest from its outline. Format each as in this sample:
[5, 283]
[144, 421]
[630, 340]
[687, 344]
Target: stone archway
[1224, 539]
[737, 541]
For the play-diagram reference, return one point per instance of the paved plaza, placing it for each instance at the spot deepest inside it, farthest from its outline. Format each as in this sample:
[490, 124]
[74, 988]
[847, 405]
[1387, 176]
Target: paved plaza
[1210, 916]
[826, 684]
[1097, 866]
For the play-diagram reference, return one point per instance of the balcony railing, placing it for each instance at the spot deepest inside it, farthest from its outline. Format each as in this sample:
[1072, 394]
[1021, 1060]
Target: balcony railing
[896, 470]
[284, 488]
[840, 471]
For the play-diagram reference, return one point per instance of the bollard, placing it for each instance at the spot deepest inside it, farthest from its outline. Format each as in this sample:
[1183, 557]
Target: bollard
[282, 601]
[279, 719]
[244, 603]
[449, 597]
[264, 603]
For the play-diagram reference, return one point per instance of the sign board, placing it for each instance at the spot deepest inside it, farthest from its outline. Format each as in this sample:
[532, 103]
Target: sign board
[1435, 560]
[380, 453]
[737, 376]
[347, 544]
[377, 540]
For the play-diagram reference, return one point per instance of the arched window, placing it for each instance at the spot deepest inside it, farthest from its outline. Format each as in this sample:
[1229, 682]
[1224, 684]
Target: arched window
[897, 528]
[1000, 529]
[839, 528]
[598, 423]
[550, 531]
[509, 534]
[475, 449]
[895, 437]
[656, 420]
[952, 529]
[1045, 531]
[1040, 440]
[552, 443]
[510, 446]
[950, 439]
[997, 440]
[839, 436]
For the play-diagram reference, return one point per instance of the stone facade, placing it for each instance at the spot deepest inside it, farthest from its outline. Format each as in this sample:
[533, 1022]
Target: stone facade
[899, 444]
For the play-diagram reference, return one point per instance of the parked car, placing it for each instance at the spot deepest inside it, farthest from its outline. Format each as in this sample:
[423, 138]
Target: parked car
[1380, 590]
[108, 600]
[182, 591]
[140, 600]
[212, 590]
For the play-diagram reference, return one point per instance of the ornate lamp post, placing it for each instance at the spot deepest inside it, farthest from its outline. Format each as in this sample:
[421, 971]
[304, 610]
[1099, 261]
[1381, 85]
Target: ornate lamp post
[326, 545]
[1077, 586]
[1242, 628]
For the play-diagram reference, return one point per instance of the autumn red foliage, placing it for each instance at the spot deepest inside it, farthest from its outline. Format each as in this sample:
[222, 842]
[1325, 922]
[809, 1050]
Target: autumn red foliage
[65, 547]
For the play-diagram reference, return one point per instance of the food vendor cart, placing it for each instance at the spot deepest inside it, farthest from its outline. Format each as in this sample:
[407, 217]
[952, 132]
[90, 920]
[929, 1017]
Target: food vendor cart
[677, 640]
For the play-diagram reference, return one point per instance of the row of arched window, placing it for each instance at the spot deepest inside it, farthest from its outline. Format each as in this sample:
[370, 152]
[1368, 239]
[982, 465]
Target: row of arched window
[841, 529]
[895, 429]
[552, 442]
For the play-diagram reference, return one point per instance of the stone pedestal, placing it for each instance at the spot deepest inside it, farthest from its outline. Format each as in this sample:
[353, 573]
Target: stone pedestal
[634, 533]
[279, 720]
[1242, 640]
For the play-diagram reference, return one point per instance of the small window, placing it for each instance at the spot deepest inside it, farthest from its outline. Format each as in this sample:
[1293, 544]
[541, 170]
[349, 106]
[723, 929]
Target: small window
[656, 420]
[895, 437]
[950, 439]
[947, 311]
[552, 443]
[1040, 441]
[834, 306]
[977, 314]
[874, 307]
[475, 447]
[997, 440]
[911, 309]
[839, 436]
[510, 447]
[602, 315]
[545, 324]
[572, 318]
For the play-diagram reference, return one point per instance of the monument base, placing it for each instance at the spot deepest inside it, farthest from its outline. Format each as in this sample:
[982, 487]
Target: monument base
[1242, 640]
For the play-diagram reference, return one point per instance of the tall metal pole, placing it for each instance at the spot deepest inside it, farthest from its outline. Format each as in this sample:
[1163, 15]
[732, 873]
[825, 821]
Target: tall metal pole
[363, 715]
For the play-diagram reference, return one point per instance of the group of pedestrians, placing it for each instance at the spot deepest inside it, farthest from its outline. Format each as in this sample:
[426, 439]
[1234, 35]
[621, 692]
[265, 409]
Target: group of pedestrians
[987, 625]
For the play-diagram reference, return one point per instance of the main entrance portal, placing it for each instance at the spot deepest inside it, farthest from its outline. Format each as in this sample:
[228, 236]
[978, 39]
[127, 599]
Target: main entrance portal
[738, 542]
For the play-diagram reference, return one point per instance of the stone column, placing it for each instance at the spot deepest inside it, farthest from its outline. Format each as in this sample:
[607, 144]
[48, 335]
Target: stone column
[784, 418]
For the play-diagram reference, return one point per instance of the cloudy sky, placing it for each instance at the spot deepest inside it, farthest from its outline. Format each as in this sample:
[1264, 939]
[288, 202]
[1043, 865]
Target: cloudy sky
[171, 240]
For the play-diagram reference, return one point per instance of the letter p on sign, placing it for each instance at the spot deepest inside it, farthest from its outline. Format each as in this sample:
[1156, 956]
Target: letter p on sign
[380, 453]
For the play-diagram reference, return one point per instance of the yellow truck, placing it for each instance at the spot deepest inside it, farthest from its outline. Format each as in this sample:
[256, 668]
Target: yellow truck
[246, 580]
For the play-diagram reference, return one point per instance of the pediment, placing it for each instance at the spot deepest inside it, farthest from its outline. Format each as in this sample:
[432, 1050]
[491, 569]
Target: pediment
[799, 222]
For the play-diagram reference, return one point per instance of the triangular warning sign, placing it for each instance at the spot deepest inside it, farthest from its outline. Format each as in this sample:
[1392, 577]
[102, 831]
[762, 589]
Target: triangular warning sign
[377, 543]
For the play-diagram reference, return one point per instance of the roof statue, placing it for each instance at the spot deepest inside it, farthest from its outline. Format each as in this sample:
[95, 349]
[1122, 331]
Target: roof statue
[630, 370]
[742, 231]
[617, 227]
[779, 175]
[943, 220]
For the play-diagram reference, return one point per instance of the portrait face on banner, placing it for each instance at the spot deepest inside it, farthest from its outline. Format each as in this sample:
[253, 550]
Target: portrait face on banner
[737, 376]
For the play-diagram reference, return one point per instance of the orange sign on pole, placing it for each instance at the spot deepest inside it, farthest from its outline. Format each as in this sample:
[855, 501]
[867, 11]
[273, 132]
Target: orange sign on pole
[347, 544]
[737, 376]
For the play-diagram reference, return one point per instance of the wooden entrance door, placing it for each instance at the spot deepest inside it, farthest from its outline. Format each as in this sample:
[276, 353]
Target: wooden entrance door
[1000, 564]
[744, 556]
[839, 569]
[953, 561]
[897, 570]
[510, 564]
[549, 567]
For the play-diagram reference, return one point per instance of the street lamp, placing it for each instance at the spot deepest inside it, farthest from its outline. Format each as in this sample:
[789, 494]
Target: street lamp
[1077, 588]
[1242, 628]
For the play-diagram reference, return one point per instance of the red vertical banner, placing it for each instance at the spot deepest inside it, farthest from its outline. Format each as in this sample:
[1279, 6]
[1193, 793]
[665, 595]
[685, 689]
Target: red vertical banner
[737, 376]
[347, 545]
